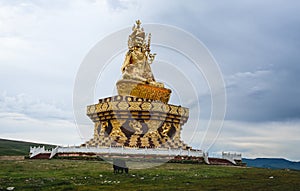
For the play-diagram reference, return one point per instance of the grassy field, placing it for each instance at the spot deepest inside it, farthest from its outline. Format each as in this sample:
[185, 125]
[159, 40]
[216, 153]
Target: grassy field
[97, 175]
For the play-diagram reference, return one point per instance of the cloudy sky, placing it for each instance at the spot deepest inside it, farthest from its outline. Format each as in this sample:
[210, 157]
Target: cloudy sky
[255, 44]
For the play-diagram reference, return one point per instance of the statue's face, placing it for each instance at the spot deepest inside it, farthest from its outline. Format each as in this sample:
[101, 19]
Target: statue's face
[138, 44]
[138, 48]
[138, 41]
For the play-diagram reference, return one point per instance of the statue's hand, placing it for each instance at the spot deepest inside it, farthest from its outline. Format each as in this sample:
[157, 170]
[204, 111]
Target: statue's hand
[151, 58]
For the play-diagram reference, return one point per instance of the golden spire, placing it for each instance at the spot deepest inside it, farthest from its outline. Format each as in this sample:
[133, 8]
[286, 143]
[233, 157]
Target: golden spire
[138, 23]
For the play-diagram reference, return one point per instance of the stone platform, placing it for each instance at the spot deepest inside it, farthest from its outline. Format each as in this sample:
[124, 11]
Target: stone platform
[136, 122]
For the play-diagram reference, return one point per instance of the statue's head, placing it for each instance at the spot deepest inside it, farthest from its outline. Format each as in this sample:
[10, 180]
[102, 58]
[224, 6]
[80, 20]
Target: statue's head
[137, 37]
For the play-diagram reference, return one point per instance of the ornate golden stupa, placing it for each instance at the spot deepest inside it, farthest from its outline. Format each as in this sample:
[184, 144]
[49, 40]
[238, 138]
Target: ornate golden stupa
[139, 116]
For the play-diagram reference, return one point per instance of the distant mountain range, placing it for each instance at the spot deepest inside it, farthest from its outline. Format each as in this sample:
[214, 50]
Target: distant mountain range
[273, 163]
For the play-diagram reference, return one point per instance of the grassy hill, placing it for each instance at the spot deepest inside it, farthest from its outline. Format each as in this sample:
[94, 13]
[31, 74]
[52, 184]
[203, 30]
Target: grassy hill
[98, 175]
[58, 174]
[15, 148]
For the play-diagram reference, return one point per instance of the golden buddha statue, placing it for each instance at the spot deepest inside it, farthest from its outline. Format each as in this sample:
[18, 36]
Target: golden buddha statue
[138, 58]
[137, 77]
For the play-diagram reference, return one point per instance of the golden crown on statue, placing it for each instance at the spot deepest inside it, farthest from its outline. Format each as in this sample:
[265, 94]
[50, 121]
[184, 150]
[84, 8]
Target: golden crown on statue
[138, 37]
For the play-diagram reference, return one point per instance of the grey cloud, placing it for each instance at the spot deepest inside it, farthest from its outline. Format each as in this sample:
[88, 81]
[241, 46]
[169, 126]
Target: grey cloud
[250, 37]
[272, 139]
[262, 97]
[32, 107]
[118, 4]
[22, 127]
[29, 5]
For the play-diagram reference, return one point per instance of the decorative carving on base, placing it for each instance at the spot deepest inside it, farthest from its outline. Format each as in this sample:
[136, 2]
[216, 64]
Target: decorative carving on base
[150, 124]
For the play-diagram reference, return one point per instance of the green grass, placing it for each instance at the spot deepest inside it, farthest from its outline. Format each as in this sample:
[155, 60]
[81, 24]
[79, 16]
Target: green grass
[15, 148]
[97, 175]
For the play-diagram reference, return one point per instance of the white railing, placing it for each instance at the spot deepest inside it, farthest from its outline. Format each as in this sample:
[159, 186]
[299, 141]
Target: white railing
[53, 152]
[231, 156]
[38, 150]
[117, 150]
